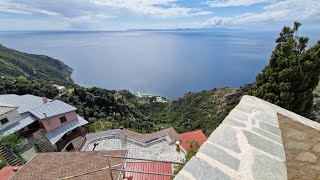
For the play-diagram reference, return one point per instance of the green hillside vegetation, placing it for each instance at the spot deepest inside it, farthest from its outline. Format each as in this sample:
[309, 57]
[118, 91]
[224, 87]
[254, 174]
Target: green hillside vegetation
[292, 73]
[201, 110]
[14, 63]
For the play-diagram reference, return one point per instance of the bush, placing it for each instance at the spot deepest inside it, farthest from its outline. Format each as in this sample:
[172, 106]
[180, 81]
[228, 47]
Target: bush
[11, 141]
[192, 151]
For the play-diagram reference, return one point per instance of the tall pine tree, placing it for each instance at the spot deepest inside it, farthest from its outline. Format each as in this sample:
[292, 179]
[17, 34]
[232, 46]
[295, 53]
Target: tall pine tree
[292, 73]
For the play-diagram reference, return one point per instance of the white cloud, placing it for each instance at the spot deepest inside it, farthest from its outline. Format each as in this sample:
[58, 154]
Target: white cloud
[286, 10]
[76, 8]
[96, 14]
[228, 3]
[6, 6]
[155, 8]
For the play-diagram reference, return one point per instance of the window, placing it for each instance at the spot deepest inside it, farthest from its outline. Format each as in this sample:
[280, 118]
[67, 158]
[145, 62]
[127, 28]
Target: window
[63, 119]
[4, 121]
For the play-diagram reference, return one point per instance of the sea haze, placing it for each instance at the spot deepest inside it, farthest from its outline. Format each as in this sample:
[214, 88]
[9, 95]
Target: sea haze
[167, 63]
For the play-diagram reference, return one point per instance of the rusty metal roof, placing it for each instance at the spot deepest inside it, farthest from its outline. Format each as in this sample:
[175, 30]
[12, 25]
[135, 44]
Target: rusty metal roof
[158, 167]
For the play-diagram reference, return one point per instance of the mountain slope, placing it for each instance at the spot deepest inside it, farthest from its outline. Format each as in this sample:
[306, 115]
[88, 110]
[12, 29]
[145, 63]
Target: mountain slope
[203, 110]
[14, 63]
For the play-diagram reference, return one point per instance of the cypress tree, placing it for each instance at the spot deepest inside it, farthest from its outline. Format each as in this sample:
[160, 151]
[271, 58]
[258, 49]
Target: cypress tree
[292, 73]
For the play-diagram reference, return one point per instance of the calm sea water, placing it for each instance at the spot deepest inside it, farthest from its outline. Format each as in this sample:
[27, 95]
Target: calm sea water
[161, 63]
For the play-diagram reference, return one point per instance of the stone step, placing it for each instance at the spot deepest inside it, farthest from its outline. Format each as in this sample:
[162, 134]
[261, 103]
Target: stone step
[45, 147]
[11, 159]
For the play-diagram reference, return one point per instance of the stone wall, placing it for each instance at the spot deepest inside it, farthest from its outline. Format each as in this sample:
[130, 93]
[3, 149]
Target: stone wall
[12, 116]
[246, 146]
[302, 148]
[258, 140]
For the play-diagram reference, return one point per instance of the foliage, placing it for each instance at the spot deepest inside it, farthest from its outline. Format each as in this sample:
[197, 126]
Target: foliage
[22, 86]
[97, 126]
[11, 141]
[292, 73]
[100, 104]
[192, 151]
[3, 163]
[14, 64]
[202, 110]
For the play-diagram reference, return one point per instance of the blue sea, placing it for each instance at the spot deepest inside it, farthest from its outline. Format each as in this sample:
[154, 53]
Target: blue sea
[166, 63]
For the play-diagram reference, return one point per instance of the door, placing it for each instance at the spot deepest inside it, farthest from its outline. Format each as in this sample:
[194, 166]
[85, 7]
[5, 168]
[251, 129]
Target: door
[69, 147]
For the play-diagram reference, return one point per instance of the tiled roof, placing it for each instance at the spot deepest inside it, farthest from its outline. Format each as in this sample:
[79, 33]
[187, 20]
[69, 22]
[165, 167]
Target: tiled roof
[53, 108]
[59, 165]
[7, 172]
[188, 137]
[17, 125]
[158, 167]
[148, 137]
[247, 145]
[54, 135]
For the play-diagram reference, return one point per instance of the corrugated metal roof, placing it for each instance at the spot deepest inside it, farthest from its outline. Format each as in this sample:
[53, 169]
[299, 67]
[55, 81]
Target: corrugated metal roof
[54, 135]
[4, 109]
[24, 102]
[158, 167]
[53, 108]
[16, 126]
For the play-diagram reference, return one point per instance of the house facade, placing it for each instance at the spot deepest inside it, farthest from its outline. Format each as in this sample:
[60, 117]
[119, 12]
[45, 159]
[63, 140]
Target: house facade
[41, 121]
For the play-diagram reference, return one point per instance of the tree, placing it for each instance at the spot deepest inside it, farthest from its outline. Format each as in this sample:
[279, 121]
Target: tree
[292, 73]
[11, 141]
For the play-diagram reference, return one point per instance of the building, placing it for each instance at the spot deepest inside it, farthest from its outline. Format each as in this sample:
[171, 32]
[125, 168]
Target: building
[159, 145]
[51, 124]
[7, 172]
[258, 140]
[75, 165]
[192, 137]
[61, 89]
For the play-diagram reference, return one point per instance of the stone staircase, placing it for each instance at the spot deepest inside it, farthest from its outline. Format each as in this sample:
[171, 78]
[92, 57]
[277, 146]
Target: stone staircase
[9, 157]
[44, 146]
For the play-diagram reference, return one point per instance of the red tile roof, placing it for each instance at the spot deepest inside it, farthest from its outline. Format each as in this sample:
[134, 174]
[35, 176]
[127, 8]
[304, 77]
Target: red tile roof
[7, 172]
[158, 167]
[190, 136]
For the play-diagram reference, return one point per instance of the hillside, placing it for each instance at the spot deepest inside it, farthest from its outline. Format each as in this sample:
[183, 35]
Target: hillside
[14, 63]
[203, 110]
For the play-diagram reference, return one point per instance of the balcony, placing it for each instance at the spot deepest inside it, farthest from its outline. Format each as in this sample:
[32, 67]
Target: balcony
[66, 139]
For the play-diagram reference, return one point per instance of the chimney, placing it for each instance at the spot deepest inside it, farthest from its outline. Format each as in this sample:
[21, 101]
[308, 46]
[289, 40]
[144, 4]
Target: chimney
[45, 100]
[15, 169]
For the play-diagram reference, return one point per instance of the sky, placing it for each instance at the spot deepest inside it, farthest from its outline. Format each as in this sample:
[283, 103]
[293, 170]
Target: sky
[97, 15]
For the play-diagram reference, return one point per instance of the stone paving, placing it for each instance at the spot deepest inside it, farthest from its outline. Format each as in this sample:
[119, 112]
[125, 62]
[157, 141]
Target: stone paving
[161, 150]
[248, 145]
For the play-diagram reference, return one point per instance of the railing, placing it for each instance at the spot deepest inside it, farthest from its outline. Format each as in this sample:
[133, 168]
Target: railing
[122, 170]
[62, 143]
[81, 144]
[112, 168]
